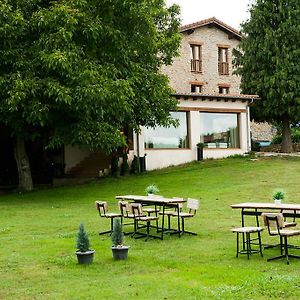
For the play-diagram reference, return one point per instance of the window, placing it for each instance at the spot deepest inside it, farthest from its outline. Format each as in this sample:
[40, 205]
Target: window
[196, 88]
[219, 130]
[196, 58]
[223, 65]
[223, 90]
[169, 137]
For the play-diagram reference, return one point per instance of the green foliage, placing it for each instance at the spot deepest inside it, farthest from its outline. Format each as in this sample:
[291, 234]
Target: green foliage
[117, 236]
[255, 146]
[200, 145]
[295, 133]
[152, 189]
[278, 195]
[268, 59]
[236, 156]
[81, 69]
[82, 242]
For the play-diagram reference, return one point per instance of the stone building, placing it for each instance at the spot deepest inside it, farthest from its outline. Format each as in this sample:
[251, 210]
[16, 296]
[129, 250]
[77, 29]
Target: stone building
[211, 108]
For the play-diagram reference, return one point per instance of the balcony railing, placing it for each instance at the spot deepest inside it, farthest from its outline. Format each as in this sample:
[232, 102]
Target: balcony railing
[223, 68]
[196, 65]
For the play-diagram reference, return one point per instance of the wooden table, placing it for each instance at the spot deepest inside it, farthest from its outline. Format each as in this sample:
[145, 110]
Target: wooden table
[256, 209]
[156, 201]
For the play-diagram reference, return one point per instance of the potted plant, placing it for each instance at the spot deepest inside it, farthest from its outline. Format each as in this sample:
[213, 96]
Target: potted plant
[151, 190]
[278, 196]
[119, 251]
[85, 255]
[200, 147]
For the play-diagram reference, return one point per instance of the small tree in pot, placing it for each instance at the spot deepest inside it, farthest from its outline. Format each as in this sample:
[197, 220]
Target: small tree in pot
[85, 255]
[117, 237]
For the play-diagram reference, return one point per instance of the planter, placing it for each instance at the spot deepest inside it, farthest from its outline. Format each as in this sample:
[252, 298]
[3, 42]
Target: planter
[199, 153]
[150, 195]
[120, 252]
[85, 257]
[277, 202]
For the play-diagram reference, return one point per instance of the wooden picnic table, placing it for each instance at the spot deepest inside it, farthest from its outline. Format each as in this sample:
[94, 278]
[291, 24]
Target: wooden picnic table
[157, 201]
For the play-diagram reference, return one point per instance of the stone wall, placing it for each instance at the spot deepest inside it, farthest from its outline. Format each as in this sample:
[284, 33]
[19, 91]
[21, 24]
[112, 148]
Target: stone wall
[276, 148]
[180, 74]
[262, 131]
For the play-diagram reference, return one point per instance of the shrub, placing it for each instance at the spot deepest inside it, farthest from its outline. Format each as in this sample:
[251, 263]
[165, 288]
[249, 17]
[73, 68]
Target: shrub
[255, 146]
[295, 133]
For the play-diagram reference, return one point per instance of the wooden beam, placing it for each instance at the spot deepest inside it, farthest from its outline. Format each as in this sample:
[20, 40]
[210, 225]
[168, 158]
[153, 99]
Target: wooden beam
[211, 109]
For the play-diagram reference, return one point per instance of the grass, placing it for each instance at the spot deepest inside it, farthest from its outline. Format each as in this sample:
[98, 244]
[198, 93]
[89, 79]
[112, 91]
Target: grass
[37, 238]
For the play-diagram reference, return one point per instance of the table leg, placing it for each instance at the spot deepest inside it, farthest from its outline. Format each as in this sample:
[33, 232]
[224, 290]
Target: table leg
[243, 225]
[178, 220]
[156, 217]
[256, 215]
[163, 222]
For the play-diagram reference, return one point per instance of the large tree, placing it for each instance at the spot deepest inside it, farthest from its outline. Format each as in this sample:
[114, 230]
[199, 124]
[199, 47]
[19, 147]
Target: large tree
[81, 69]
[268, 60]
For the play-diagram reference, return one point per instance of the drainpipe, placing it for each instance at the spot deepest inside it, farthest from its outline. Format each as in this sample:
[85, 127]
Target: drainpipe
[248, 125]
[138, 151]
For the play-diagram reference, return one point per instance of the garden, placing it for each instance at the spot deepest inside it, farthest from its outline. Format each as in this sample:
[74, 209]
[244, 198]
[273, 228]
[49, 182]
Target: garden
[38, 236]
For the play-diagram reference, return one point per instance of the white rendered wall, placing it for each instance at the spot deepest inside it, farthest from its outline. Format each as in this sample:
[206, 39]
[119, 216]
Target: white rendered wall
[161, 158]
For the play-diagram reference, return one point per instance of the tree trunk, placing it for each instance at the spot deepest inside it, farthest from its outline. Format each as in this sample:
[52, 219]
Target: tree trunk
[286, 145]
[25, 180]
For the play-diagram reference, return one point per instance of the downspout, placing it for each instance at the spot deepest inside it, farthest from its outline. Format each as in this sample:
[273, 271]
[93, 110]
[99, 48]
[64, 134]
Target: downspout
[248, 125]
[138, 151]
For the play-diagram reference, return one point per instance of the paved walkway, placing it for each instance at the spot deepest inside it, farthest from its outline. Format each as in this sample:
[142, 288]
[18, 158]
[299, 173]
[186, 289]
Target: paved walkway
[294, 154]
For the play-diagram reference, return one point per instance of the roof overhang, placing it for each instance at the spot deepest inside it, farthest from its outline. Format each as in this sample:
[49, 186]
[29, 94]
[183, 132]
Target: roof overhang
[217, 97]
[232, 33]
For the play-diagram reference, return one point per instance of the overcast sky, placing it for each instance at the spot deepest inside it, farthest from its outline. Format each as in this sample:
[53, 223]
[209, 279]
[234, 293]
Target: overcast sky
[231, 12]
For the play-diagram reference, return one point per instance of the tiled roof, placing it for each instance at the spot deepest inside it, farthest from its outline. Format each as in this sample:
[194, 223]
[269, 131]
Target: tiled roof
[241, 97]
[214, 21]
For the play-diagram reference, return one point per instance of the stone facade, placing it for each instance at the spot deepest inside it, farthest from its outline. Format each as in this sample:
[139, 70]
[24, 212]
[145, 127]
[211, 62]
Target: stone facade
[180, 74]
[210, 34]
[262, 131]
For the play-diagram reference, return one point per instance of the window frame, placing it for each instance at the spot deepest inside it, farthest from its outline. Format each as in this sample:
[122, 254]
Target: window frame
[223, 65]
[196, 67]
[188, 127]
[238, 120]
[193, 85]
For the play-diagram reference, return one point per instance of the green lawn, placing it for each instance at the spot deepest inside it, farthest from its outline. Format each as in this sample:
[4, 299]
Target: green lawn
[37, 238]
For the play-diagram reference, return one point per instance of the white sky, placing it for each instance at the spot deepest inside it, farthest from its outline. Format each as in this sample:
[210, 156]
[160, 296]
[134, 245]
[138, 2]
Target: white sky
[231, 12]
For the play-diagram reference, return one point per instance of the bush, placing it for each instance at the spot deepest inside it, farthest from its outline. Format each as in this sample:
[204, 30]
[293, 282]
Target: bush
[295, 133]
[255, 146]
